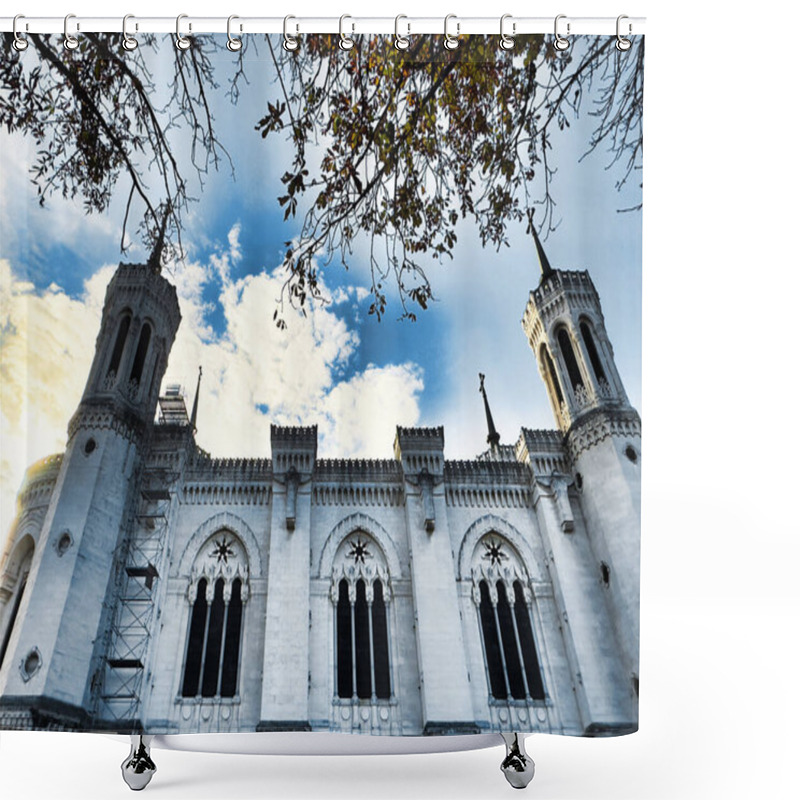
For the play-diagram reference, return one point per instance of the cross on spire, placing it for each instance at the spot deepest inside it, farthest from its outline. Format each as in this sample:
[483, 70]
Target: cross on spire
[543, 262]
[196, 396]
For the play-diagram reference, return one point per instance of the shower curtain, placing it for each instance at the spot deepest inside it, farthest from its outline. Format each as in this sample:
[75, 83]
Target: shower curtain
[320, 376]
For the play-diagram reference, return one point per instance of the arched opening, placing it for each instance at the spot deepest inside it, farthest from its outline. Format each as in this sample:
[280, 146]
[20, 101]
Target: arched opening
[119, 344]
[362, 643]
[591, 349]
[141, 353]
[571, 363]
[552, 375]
[24, 557]
[214, 638]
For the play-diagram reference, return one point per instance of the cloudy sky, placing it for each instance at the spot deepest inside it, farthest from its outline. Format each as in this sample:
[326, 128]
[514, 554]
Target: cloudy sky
[337, 367]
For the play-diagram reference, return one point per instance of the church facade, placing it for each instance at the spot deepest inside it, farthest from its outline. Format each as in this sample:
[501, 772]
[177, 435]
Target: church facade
[146, 586]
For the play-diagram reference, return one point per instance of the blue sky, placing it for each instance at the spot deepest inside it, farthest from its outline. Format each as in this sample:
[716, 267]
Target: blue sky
[339, 368]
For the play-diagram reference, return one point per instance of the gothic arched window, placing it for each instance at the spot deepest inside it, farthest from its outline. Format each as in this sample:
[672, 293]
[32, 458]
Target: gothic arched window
[571, 363]
[504, 617]
[214, 638]
[361, 622]
[17, 577]
[141, 353]
[119, 344]
[551, 373]
[591, 349]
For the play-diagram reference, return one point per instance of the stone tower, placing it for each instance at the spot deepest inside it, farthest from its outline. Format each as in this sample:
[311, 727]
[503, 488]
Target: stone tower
[564, 324]
[47, 670]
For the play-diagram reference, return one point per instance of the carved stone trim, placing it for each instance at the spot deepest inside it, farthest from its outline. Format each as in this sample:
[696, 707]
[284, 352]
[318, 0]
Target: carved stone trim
[219, 521]
[343, 529]
[595, 427]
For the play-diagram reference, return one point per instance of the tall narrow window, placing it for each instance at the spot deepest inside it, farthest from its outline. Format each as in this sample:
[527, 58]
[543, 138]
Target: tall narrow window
[344, 656]
[362, 643]
[233, 635]
[570, 361]
[213, 642]
[119, 344]
[508, 644]
[141, 353]
[214, 639]
[195, 646]
[12, 618]
[523, 618]
[551, 372]
[588, 339]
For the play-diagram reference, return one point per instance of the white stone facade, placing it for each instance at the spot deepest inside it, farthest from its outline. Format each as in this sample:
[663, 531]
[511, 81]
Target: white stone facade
[452, 572]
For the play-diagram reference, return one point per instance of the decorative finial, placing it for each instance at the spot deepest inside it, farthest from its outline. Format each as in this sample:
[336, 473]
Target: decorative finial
[543, 262]
[196, 396]
[493, 439]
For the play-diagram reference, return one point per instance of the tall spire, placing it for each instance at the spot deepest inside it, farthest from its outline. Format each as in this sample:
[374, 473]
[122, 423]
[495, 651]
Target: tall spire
[196, 396]
[543, 262]
[493, 439]
[154, 262]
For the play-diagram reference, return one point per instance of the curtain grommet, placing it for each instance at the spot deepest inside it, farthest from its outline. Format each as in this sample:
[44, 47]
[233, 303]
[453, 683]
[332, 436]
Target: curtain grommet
[451, 41]
[623, 44]
[20, 43]
[70, 42]
[401, 42]
[290, 43]
[233, 44]
[560, 43]
[182, 42]
[506, 40]
[129, 43]
[345, 42]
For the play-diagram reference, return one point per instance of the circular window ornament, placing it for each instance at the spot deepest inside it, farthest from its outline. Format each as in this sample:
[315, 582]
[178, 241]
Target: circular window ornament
[31, 664]
[90, 446]
[631, 454]
[64, 543]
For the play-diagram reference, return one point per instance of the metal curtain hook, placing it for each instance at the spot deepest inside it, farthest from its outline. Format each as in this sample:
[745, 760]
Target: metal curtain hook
[450, 41]
[70, 42]
[345, 42]
[233, 44]
[401, 42]
[290, 42]
[506, 41]
[128, 42]
[561, 42]
[623, 44]
[182, 42]
[20, 43]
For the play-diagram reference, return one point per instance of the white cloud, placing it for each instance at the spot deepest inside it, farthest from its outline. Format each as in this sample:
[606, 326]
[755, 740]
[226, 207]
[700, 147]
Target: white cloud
[47, 344]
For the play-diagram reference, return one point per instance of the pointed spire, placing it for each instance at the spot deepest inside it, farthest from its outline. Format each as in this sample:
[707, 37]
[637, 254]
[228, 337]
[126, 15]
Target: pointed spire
[543, 262]
[493, 439]
[196, 396]
[154, 262]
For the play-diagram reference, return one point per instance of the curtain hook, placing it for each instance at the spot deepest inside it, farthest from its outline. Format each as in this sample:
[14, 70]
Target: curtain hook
[20, 43]
[623, 44]
[450, 41]
[233, 44]
[506, 41]
[182, 42]
[290, 42]
[128, 42]
[345, 42]
[561, 42]
[401, 42]
[70, 42]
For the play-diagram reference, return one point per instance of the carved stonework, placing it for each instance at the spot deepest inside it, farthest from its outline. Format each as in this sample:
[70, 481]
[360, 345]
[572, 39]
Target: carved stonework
[495, 560]
[222, 556]
[359, 558]
[600, 425]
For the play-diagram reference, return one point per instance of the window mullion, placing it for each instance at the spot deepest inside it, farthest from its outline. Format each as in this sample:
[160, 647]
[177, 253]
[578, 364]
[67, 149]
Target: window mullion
[519, 654]
[502, 649]
[205, 644]
[371, 654]
[222, 646]
[388, 641]
[353, 642]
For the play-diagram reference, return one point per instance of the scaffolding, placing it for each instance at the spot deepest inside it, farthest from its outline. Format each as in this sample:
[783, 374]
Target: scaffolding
[135, 613]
